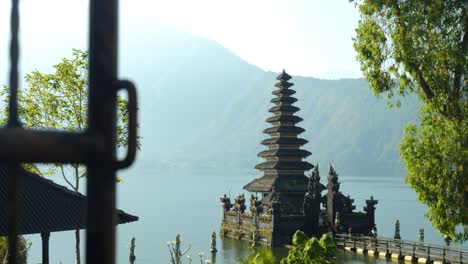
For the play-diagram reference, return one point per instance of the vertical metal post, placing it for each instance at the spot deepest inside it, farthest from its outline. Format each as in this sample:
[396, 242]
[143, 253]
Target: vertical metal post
[45, 247]
[13, 211]
[101, 216]
[13, 167]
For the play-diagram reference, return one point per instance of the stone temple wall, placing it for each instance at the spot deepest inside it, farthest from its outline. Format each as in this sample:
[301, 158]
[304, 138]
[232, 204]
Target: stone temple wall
[246, 226]
[263, 230]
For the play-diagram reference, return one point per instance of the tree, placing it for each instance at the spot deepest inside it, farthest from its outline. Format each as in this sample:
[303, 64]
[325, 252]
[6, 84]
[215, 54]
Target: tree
[420, 47]
[434, 151]
[310, 250]
[59, 101]
[23, 248]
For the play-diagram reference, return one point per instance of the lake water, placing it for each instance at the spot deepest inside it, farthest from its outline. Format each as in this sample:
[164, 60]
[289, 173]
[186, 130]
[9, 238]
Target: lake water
[187, 202]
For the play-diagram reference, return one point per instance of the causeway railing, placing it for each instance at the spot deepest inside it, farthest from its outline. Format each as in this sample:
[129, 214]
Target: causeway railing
[401, 248]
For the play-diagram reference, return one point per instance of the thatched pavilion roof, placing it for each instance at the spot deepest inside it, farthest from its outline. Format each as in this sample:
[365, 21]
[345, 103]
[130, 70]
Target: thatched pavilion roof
[46, 206]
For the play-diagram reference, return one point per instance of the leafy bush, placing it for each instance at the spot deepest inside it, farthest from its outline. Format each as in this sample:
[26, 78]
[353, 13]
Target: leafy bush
[307, 250]
[259, 256]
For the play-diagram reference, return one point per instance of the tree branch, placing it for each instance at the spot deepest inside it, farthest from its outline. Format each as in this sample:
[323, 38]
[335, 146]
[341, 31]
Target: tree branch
[413, 67]
[422, 82]
[459, 69]
[77, 177]
[39, 172]
[65, 177]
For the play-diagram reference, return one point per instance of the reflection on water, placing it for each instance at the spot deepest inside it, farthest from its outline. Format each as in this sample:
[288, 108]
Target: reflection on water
[186, 202]
[233, 250]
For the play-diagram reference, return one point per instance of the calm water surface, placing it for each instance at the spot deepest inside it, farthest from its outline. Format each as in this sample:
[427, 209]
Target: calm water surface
[186, 202]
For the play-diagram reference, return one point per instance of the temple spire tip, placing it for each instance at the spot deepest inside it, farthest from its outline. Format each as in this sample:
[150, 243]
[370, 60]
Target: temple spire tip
[283, 76]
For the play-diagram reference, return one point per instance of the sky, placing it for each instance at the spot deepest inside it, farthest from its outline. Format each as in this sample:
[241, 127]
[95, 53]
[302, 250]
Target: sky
[307, 37]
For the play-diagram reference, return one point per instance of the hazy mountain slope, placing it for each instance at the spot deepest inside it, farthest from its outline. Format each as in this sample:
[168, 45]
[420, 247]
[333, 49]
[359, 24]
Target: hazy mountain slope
[203, 107]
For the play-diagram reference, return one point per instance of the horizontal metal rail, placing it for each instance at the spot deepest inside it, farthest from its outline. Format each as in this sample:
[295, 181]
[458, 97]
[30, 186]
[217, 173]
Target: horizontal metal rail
[415, 249]
[27, 145]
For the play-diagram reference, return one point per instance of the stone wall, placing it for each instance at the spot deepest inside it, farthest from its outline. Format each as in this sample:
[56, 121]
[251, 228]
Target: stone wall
[247, 226]
[286, 226]
[359, 222]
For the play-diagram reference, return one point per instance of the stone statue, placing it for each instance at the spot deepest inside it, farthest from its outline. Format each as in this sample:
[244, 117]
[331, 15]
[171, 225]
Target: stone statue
[226, 203]
[421, 235]
[255, 205]
[397, 230]
[132, 251]
[337, 219]
[348, 206]
[213, 242]
[447, 240]
[240, 204]
[254, 239]
[252, 204]
[177, 245]
[374, 231]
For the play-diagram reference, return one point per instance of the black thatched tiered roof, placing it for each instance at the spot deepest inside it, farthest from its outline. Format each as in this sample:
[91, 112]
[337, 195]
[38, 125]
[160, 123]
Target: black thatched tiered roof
[47, 206]
[284, 168]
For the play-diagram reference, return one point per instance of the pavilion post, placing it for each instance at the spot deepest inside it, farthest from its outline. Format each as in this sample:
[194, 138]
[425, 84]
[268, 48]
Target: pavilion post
[45, 247]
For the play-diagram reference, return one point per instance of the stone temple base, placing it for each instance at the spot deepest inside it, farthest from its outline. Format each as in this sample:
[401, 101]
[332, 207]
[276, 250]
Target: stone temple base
[261, 229]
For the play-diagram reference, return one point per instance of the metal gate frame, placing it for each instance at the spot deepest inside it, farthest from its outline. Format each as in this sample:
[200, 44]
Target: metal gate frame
[95, 147]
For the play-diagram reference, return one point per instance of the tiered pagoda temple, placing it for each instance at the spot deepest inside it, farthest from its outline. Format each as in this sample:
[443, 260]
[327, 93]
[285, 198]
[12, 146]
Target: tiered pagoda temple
[289, 200]
[283, 169]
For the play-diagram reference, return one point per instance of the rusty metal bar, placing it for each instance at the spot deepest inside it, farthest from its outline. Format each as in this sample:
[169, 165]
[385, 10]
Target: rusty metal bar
[101, 217]
[47, 146]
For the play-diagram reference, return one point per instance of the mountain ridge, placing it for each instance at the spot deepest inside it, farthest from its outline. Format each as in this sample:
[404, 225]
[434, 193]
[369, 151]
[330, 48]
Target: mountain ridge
[203, 107]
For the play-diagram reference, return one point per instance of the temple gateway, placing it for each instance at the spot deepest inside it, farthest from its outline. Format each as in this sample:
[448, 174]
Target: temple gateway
[284, 199]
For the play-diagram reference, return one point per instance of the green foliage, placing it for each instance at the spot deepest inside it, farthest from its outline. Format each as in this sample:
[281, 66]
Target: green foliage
[259, 256]
[310, 251]
[414, 46]
[411, 46]
[304, 251]
[434, 156]
[23, 248]
[59, 101]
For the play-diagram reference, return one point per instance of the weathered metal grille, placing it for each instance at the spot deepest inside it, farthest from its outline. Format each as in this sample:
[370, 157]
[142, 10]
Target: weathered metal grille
[95, 147]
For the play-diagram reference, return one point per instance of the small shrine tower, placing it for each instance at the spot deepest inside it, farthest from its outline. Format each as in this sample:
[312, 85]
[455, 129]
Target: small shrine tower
[311, 206]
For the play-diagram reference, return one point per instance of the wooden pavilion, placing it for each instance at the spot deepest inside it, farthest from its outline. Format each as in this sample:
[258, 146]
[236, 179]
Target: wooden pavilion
[46, 207]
